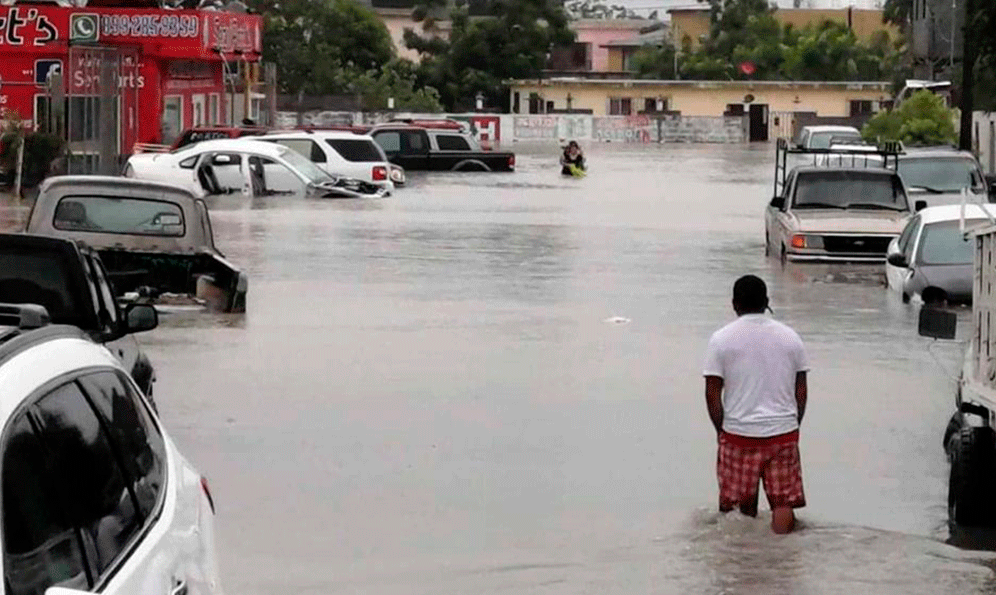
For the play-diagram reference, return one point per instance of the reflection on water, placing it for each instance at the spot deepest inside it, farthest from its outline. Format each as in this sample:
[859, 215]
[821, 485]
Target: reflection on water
[491, 383]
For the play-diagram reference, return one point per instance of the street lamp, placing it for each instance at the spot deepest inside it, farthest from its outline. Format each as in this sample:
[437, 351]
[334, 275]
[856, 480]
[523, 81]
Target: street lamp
[480, 101]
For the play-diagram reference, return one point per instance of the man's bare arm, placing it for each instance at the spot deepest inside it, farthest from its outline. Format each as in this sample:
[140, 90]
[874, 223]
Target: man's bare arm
[714, 400]
[801, 393]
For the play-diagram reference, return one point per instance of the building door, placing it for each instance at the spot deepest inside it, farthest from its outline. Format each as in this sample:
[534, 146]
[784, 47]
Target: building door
[198, 104]
[172, 123]
[758, 122]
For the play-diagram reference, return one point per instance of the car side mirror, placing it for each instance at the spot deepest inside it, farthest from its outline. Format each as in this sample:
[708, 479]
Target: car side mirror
[140, 317]
[778, 202]
[937, 324]
[919, 205]
[897, 259]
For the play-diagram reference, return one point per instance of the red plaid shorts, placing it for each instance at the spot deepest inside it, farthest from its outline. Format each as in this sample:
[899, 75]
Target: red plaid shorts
[743, 462]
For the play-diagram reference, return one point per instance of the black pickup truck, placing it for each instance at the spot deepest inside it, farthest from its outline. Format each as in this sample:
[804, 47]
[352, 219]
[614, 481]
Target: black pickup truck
[417, 148]
[68, 279]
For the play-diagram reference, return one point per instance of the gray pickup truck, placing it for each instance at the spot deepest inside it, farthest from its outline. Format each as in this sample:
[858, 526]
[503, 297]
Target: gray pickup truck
[154, 238]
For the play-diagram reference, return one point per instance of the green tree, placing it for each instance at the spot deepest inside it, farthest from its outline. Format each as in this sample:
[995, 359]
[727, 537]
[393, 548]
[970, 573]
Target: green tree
[923, 119]
[592, 9]
[512, 41]
[321, 46]
[654, 62]
[396, 80]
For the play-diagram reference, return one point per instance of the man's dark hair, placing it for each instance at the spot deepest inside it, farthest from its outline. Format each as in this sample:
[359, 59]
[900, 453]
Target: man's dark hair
[750, 295]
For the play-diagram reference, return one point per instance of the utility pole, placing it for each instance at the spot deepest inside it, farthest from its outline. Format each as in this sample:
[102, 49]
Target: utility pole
[968, 59]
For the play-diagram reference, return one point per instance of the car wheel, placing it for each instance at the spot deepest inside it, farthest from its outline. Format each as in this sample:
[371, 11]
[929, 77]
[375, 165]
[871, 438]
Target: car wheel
[971, 483]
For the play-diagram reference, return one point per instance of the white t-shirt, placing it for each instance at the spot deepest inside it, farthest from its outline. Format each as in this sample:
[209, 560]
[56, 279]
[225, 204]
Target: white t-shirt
[758, 359]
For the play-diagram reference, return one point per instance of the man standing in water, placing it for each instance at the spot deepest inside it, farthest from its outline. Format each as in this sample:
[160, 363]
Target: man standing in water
[755, 388]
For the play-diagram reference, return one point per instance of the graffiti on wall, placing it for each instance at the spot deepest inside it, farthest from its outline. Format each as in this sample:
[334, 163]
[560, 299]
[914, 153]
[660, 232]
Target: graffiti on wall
[574, 127]
[629, 129]
[535, 127]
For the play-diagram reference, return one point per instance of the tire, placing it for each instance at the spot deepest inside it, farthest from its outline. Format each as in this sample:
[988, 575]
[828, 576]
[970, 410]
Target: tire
[971, 483]
[952, 429]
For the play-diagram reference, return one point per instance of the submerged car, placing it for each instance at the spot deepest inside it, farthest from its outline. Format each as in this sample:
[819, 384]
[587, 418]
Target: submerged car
[96, 496]
[340, 153]
[154, 238]
[244, 166]
[836, 214]
[932, 258]
[940, 175]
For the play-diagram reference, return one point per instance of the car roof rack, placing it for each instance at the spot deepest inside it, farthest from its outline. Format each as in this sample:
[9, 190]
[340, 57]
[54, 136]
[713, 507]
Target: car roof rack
[885, 150]
[23, 316]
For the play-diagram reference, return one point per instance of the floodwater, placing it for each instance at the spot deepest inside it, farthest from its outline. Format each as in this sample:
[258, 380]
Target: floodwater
[491, 384]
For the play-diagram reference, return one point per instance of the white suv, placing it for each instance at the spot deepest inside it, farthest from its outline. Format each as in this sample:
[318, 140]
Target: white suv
[340, 153]
[96, 497]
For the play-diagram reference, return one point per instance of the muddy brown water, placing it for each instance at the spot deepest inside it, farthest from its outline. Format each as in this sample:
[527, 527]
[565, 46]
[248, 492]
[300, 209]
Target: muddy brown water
[491, 384]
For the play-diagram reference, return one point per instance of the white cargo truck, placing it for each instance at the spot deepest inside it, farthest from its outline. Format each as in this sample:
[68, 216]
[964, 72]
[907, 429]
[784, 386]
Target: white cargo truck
[970, 437]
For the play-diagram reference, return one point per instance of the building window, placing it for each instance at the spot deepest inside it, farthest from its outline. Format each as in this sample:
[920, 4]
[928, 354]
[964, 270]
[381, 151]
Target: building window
[860, 107]
[516, 98]
[650, 104]
[215, 109]
[734, 109]
[549, 107]
[620, 106]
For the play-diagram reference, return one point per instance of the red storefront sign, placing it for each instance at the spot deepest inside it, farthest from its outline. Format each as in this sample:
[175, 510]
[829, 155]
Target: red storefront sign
[163, 33]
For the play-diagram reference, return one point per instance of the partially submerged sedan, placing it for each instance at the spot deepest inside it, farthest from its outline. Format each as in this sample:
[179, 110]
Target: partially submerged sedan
[243, 166]
[842, 214]
[932, 259]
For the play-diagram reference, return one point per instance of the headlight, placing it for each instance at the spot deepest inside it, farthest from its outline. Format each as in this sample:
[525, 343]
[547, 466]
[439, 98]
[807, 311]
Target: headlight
[807, 241]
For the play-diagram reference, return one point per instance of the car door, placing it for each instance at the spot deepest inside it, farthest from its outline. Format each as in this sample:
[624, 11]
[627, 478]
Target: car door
[415, 146]
[896, 276]
[84, 480]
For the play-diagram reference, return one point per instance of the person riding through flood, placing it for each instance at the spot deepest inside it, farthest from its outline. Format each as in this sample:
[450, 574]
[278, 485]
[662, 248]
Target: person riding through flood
[572, 161]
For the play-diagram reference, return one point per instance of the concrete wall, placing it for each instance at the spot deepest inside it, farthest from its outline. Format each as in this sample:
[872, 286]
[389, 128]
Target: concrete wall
[703, 98]
[497, 130]
[984, 140]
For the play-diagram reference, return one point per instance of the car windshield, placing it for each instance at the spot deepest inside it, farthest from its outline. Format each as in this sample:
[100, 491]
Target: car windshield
[943, 174]
[943, 243]
[842, 189]
[302, 164]
[821, 140]
[31, 276]
[112, 214]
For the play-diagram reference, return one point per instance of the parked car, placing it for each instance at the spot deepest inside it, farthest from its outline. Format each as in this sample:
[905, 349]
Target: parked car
[218, 167]
[96, 496]
[938, 175]
[154, 238]
[820, 137]
[340, 153]
[419, 148]
[834, 213]
[932, 258]
[70, 281]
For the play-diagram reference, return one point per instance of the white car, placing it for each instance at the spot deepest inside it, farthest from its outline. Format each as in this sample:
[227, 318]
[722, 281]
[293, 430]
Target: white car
[821, 137]
[230, 166]
[932, 256]
[96, 497]
[340, 153]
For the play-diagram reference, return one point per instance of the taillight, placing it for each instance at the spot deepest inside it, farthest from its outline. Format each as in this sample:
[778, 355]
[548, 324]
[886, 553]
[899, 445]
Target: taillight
[379, 173]
[207, 492]
[511, 162]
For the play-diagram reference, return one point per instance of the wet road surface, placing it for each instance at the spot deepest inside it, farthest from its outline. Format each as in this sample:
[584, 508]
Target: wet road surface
[491, 384]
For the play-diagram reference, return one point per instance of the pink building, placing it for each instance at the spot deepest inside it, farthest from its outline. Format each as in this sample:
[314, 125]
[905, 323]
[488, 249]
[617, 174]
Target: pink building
[594, 34]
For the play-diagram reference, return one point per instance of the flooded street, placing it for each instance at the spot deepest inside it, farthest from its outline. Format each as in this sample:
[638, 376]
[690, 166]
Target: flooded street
[492, 384]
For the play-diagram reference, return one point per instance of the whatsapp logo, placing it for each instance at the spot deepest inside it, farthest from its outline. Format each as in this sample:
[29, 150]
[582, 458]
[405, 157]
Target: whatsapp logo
[84, 27]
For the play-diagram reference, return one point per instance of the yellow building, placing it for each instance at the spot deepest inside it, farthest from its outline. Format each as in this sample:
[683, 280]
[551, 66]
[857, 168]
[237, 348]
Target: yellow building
[691, 25]
[624, 97]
